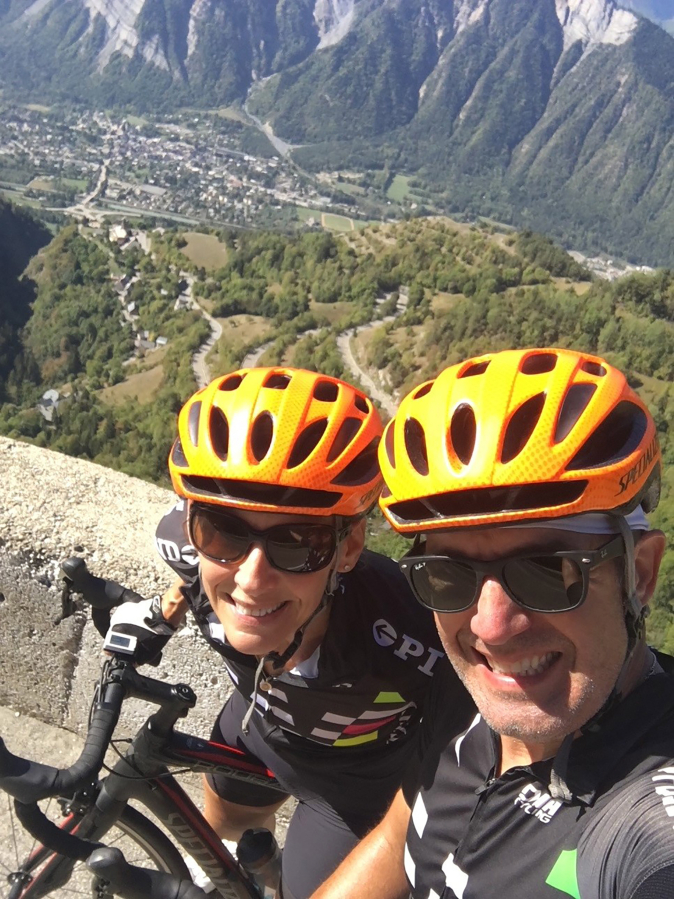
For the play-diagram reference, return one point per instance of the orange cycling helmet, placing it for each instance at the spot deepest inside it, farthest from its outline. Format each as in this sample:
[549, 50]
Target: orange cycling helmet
[279, 440]
[515, 436]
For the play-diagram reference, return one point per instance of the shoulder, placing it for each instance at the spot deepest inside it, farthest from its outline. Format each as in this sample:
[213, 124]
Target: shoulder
[172, 543]
[379, 577]
[381, 593]
[630, 839]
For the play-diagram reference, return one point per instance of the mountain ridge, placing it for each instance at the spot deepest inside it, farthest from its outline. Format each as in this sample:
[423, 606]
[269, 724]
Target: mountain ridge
[485, 101]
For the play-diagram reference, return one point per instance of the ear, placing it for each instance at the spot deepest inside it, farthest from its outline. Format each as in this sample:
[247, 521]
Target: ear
[648, 554]
[351, 547]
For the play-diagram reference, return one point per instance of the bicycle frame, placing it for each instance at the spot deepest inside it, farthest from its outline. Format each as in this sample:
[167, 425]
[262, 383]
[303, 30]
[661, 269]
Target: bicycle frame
[142, 774]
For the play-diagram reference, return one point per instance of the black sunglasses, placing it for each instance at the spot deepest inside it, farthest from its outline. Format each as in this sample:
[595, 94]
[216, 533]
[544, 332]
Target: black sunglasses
[296, 547]
[539, 582]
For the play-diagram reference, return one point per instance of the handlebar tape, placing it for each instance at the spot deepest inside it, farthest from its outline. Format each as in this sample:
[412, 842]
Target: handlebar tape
[31, 781]
[50, 835]
[132, 882]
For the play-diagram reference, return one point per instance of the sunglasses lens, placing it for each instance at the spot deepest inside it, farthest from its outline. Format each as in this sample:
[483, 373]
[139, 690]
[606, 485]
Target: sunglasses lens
[226, 538]
[545, 583]
[444, 585]
[301, 548]
[219, 536]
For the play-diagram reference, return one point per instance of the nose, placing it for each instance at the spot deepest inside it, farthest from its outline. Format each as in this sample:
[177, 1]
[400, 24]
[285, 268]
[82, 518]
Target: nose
[496, 618]
[254, 572]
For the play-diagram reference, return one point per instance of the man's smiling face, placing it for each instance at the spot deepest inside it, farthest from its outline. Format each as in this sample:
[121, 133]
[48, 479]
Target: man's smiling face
[535, 677]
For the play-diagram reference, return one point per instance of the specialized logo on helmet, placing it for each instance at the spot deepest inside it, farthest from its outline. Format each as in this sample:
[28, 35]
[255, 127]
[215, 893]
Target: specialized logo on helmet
[372, 494]
[638, 470]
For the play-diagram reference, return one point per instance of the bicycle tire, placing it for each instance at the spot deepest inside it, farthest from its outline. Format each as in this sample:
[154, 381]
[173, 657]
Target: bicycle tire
[141, 841]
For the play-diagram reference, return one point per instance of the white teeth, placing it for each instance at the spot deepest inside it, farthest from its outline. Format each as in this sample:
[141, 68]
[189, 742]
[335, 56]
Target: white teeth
[255, 613]
[525, 667]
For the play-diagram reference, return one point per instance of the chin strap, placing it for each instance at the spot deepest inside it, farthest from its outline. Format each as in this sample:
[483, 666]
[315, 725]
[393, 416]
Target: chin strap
[278, 660]
[635, 624]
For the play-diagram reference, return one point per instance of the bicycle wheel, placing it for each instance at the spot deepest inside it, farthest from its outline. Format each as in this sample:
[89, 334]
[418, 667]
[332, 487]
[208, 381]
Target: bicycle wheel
[28, 871]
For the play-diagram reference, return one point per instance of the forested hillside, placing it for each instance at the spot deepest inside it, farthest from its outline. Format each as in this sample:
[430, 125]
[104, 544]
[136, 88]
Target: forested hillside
[468, 291]
[21, 236]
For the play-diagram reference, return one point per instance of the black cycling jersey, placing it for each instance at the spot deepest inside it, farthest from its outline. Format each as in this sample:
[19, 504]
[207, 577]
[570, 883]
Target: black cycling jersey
[338, 730]
[365, 684]
[473, 835]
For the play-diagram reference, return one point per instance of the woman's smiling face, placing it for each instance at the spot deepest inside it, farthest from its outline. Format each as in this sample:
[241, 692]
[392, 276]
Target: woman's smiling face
[260, 607]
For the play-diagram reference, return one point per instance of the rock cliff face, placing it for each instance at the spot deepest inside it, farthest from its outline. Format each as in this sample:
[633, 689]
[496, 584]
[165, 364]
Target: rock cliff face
[53, 506]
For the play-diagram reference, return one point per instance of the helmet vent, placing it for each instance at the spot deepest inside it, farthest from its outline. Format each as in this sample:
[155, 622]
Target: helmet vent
[617, 437]
[193, 422]
[593, 368]
[231, 383]
[219, 431]
[389, 445]
[361, 403]
[575, 403]
[415, 442]
[423, 390]
[477, 368]
[326, 391]
[538, 364]
[347, 431]
[178, 456]
[307, 442]
[521, 426]
[261, 435]
[361, 470]
[277, 381]
[462, 431]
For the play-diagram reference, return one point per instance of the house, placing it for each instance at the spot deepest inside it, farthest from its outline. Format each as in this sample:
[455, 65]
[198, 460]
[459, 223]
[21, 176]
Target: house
[118, 234]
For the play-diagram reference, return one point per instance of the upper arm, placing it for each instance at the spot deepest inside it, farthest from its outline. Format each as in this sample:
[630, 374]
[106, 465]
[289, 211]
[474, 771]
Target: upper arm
[173, 545]
[627, 850]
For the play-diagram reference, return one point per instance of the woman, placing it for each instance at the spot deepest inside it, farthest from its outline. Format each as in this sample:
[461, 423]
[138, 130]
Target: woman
[330, 655]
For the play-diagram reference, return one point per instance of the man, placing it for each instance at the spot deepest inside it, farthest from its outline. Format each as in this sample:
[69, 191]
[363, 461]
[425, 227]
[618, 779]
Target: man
[525, 476]
[330, 658]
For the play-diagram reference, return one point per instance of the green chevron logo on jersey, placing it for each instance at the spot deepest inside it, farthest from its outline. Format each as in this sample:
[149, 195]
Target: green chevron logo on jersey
[563, 875]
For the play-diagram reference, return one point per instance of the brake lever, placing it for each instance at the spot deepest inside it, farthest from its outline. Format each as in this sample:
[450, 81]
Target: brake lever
[69, 605]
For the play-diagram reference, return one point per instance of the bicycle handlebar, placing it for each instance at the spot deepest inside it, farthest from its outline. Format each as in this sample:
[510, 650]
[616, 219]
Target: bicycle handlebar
[31, 781]
[99, 592]
[139, 883]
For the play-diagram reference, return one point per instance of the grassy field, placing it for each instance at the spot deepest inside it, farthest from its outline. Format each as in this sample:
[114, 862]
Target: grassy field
[41, 184]
[204, 250]
[53, 185]
[304, 214]
[141, 387]
[398, 188]
[331, 311]
[336, 222]
[246, 328]
[232, 112]
[18, 198]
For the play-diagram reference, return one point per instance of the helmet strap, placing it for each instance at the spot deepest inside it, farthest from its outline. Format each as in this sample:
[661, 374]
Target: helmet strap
[278, 660]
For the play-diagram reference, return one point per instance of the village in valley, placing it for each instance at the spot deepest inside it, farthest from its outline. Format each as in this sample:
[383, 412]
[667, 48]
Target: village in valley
[193, 167]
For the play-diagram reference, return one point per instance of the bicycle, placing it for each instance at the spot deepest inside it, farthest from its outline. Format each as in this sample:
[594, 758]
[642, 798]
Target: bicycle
[96, 809]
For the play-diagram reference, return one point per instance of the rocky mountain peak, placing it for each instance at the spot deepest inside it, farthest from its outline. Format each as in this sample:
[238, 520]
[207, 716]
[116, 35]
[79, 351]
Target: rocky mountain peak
[333, 19]
[594, 22]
